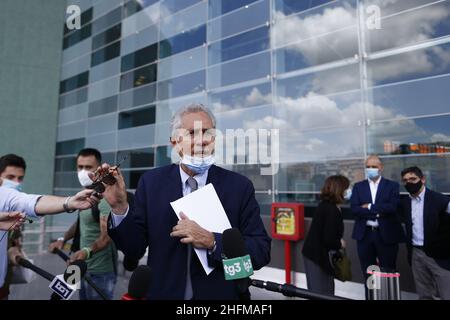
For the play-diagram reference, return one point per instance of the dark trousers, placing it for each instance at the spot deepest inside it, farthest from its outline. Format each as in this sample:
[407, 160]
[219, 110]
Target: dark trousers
[317, 280]
[371, 248]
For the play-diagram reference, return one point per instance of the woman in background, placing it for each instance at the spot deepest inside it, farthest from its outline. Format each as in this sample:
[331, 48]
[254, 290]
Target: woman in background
[325, 234]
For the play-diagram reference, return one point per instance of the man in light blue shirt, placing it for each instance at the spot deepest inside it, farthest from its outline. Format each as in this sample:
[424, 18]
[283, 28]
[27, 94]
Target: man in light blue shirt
[34, 206]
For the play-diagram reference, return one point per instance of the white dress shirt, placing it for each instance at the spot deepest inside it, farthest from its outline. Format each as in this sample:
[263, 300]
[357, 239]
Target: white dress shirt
[373, 191]
[417, 218]
[13, 200]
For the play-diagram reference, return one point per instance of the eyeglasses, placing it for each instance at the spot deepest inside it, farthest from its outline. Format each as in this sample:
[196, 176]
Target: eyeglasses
[107, 178]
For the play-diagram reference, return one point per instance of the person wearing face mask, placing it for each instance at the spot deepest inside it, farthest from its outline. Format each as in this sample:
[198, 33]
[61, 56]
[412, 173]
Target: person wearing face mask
[90, 237]
[325, 234]
[13, 201]
[427, 219]
[152, 223]
[377, 227]
[12, 173]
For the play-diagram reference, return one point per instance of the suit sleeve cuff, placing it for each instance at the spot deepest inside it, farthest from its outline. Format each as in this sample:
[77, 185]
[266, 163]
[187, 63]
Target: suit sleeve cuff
[116, 219]
[215, 256]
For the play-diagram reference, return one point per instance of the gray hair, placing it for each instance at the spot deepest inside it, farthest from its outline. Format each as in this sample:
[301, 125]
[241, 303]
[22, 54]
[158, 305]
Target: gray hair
[175, 124]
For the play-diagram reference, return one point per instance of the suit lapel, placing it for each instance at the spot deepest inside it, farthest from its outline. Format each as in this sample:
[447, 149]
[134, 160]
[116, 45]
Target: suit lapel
[175, 187]
[213, 177]
[366, 190]
[428, 215]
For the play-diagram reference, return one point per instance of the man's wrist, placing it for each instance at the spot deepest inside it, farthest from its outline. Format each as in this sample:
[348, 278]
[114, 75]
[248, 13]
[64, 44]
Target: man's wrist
[88, 252]
[66, 205]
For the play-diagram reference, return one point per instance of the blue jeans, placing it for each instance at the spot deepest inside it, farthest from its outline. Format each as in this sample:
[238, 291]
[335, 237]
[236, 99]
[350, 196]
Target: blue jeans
[104, 281]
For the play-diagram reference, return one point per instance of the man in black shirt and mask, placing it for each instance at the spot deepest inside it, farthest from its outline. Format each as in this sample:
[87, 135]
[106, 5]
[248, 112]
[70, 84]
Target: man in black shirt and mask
[427, 220]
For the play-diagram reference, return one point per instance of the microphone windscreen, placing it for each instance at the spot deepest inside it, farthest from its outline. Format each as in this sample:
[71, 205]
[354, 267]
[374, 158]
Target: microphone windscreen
[130, 264]
[139, 282]
[82, 265]
[233, 243]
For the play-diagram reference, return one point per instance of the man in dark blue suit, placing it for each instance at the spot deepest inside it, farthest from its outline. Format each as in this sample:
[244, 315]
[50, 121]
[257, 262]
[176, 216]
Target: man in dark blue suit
[177, 272]
[377, 228]
[427, 218]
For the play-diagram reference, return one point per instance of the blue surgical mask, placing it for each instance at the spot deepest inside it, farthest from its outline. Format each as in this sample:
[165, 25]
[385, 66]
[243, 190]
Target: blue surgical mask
[347, 194]
[372, 173]
[198, 165]
[12, 184]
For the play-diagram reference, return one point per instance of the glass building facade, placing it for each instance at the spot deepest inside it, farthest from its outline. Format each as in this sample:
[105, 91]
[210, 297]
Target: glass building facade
[339, 79]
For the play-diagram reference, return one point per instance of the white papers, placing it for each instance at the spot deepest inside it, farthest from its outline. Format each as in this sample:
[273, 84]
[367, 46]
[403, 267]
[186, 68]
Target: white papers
[204, 207]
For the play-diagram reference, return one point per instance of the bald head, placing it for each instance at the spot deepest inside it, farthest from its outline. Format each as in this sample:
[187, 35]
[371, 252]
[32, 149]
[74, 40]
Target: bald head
[374, 167]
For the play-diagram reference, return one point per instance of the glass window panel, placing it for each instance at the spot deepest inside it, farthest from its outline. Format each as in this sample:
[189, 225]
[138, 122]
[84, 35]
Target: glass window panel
[105, 70]
[80, 49]
[103, 106]
[309, 177]
[141, 20]
[102, 142]
[133, 6]
[240, 98]
[255, 15]
[184, 85]
[165, 109]
[109, 19]
[436, 169]
[69, 147]
[86, 16]
[325, 82]
[140, 39]
[417, 23]
[132, 178]
[314, 145]
[245, 69]
[65, 164]
[241, 45]
[182, 42]
[106, 88]
[74, 113]
[137, 97]
[102, 7]
[422, 97]
[66, 180]
[288, 7]
[71, 131]
[78, 81]
[108, 36]
[319, 111]
[107, 123]
[253, 172]
[169, 7]
[75, 67]
[137, 118]
[338, 15]
[105, 54]
[138, 137]
[73, 98]
[410, 65]
[183, 21]
[138, 77]
[182, 63]
[163, 156]
[220, 7]
[77, 36]
[317, 51]
[162, 132]
[410, 136]
[141, 158]
[139, 58]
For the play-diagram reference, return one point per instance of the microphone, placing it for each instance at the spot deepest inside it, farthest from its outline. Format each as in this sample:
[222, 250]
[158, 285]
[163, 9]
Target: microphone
[88, 279]
[129, 263]
[64, 288]
[27, 264]
[58, 283]
[139, 284]
[237, 265]
[291, 291]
